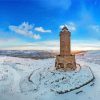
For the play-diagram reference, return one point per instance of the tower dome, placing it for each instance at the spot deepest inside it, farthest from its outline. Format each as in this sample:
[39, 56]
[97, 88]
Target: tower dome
[64, 28]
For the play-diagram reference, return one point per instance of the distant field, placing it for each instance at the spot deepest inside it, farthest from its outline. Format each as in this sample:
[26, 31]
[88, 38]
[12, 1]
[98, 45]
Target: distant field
[34, 54]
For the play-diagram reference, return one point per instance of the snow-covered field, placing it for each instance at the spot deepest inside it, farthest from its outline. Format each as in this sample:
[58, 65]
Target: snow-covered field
[27, 79]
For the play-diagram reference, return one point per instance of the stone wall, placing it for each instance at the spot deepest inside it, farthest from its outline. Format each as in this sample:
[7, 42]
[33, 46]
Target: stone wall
[65, 62]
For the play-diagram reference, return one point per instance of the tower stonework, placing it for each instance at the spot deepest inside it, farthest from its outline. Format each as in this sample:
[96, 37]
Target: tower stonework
[65, 60]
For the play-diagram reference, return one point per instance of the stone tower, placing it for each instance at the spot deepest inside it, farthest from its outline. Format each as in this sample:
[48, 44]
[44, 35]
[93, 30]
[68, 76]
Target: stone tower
[65, 60]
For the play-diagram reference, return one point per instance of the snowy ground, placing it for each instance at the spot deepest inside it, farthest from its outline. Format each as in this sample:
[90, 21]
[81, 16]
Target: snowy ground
[25, 79]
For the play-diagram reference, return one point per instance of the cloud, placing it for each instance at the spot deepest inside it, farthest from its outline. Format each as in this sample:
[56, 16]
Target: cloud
[85, 44]
[36, 36]
[41, 29]
[71, 26]
[95, 28]
[10, 42]
[25, 29]
[55, 45]
[46, 45]
[2, 41]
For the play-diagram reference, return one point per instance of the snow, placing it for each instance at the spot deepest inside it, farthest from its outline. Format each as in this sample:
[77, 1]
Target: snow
[28, 79]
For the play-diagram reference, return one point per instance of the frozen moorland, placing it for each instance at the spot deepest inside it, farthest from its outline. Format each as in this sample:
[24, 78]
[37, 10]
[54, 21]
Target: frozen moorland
[28, 79]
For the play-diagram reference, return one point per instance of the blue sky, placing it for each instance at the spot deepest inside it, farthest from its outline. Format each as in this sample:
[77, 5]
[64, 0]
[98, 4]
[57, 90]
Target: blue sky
[35, 24]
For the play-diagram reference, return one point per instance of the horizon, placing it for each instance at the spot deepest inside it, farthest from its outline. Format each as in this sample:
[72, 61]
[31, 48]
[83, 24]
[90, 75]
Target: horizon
[35, 24]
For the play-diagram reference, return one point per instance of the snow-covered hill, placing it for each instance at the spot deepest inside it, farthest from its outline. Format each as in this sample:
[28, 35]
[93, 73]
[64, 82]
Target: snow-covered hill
[27, 79]
[35, 54]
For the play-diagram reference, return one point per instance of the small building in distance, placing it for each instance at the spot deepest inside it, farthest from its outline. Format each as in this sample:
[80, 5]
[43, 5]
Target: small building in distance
[65, 60]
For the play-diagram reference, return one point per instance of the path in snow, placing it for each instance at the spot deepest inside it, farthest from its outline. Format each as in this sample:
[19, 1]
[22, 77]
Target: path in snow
[17, 75]
[89, 92]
